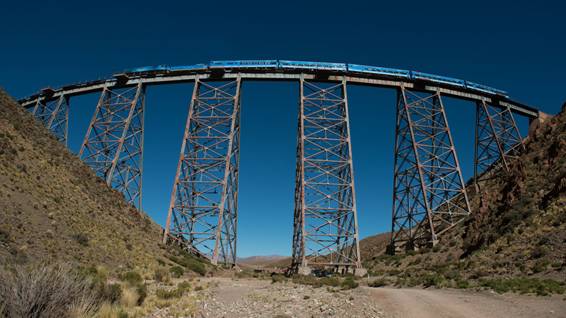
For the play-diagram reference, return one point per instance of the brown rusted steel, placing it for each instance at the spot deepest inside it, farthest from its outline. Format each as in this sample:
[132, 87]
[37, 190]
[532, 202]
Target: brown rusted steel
[203, 208]
[325, 218]
[113, 145]
[429, 195]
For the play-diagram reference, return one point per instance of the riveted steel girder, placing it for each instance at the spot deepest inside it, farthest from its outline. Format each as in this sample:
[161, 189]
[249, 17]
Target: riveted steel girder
[429, 196]
[54, 114]
[203, 209]
[325, 220]
[113, 145]
[497, 140]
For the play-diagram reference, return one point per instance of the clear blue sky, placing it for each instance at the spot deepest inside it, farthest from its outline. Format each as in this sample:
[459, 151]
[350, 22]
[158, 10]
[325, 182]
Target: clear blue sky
[519, 46]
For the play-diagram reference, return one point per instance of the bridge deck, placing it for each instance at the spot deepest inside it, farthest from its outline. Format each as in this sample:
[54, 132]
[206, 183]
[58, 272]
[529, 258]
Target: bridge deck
[178, 75]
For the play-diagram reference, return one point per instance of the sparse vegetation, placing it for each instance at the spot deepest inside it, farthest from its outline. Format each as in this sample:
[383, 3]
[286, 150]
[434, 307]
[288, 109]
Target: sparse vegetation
[176, 271]
[135, 284]
[169, 293]
[349, 283]
[277, 278]
[185, 286]
[129, 297]
[142, 293]
[161, 275]
[133, 278]
[113, 292]
[46, 291]
[380, 282]
[541, 287]
[188, 261]
[182, 288]
[462, 284]
[433, 279]
[81, 238]
[330, 281]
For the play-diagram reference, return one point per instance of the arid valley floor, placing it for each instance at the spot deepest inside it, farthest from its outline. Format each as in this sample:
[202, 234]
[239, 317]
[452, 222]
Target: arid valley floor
[232, 297]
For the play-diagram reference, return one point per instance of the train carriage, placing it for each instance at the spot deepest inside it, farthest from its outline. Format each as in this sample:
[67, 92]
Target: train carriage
[366, 69]
[438, 79]
[188, 68]
[244, 64]
[313, 66]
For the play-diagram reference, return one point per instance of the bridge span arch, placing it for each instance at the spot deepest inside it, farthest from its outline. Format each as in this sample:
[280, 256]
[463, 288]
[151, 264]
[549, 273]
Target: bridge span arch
[429, 193]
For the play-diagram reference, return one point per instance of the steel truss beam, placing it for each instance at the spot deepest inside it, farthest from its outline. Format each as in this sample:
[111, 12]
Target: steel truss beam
[497, 140]
[203, 209]
[429, 196]
[113, 145]
[54, 114]
[325, 220]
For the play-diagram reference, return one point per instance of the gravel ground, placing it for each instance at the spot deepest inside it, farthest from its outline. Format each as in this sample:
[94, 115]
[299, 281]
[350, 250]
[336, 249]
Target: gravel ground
[261, 298]
[254, 298]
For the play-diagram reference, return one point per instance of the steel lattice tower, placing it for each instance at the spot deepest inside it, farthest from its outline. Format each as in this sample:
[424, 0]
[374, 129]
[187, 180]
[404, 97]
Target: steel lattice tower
[429, 196]
[497, 140]
[204, 202]
[325, 220]
[54, 114]
[113, 145]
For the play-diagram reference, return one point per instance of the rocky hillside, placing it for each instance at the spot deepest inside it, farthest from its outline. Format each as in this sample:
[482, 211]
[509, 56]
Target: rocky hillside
[517, 234]
[53, 207]
[374, 245]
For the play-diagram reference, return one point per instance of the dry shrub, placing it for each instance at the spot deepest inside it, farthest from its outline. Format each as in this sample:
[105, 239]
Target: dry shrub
[161, 275]
[109, 311]
[46, 291]
[129, 298]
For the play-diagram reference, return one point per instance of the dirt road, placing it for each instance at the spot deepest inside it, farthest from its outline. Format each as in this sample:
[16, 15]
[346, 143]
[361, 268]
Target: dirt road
[257, 298]
[446, 303]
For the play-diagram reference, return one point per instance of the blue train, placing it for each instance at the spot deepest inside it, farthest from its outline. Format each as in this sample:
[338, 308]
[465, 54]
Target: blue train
[282, 65]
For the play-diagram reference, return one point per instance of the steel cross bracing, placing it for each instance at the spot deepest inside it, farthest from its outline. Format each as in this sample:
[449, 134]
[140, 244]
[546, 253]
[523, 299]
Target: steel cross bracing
[429, 196]
[498, 140]
[325, 220]
[54, 114]
[203, 208]
[113, 145]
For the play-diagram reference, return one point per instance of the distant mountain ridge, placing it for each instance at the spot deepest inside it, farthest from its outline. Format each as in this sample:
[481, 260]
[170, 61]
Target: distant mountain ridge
[261, 260]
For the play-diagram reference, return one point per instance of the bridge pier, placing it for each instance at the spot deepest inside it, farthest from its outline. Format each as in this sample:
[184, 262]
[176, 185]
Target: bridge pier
[497, 140]
[429, 195]
[325, 221]
[54, 114]
[113, 145]
[203, 208]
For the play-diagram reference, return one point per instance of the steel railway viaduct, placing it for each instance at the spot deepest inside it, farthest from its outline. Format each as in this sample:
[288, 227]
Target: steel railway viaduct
[429, 194]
